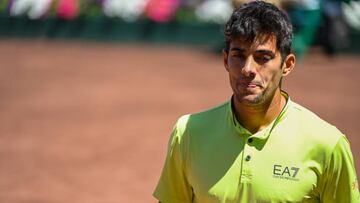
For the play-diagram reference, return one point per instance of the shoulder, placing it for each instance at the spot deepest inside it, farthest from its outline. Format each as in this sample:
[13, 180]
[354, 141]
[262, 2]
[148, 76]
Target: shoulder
[208, 117]
[202, 120]
[315, 129]
[194, 125]
[313, 123]
[212, 113]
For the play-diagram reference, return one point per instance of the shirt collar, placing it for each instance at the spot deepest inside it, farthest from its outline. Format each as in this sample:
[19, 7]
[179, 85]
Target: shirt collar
[264, 133]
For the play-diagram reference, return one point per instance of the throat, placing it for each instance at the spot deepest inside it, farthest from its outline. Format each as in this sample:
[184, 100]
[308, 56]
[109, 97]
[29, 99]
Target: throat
[256, 118]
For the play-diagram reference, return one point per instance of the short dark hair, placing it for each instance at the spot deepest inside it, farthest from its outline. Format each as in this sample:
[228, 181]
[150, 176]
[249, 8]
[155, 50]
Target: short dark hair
[259, 17]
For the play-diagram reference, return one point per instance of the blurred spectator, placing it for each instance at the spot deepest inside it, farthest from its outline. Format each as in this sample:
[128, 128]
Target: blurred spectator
[99, 2]
[91, 8]
[129, 10]
[216, 11]
[68, 9]
[161, 10]
[34, 9]
[334, 33]
[5, 5]
[306, 18]
[351, 12]
[190, 3]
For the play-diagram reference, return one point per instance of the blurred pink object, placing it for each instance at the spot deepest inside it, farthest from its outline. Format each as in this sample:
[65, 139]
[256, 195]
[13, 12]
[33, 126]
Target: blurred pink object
[68, 9]
[161, 10]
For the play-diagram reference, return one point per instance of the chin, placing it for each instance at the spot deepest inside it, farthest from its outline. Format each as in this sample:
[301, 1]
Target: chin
[250, 99]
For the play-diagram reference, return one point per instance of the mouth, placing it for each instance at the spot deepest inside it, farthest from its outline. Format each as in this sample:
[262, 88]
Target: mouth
[250, 85]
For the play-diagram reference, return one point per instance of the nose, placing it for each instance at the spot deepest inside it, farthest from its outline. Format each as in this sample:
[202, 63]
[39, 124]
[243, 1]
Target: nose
[249, 68]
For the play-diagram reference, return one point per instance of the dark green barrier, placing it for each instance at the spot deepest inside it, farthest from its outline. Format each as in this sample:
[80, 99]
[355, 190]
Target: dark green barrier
[102, 28]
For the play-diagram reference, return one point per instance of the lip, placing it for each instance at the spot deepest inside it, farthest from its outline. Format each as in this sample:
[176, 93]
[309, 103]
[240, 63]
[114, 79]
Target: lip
[250, 85]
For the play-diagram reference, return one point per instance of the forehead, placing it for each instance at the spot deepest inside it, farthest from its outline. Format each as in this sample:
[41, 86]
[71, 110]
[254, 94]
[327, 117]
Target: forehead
[262, 42]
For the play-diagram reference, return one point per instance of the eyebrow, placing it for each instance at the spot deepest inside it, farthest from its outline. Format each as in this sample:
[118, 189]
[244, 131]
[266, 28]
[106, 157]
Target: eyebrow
[265, 51]
[261, 51]
[237, 49]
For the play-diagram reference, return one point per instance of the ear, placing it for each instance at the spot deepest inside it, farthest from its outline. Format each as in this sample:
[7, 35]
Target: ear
[225, 59]
[289, 64]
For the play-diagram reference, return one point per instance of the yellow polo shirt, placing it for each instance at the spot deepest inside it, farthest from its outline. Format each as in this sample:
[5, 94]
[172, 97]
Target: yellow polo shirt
[299, 157]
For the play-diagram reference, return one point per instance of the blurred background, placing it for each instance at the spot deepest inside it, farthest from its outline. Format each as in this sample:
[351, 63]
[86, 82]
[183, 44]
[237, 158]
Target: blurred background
[90, 89]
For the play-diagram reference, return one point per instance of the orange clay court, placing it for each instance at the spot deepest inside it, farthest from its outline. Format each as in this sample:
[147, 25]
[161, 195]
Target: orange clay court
[89, 122]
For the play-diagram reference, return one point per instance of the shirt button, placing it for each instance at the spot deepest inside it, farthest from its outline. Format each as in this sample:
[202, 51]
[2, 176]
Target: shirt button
[250, 140]
[247, 158]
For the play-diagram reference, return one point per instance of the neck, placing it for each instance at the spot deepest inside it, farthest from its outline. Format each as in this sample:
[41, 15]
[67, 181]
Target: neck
[256, 117]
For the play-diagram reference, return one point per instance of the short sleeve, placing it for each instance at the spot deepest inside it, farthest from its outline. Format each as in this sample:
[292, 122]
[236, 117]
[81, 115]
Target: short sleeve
[340, 180]
[173, 186]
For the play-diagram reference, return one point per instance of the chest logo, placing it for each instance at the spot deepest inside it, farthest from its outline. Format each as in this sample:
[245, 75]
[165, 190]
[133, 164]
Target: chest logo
[285, 172]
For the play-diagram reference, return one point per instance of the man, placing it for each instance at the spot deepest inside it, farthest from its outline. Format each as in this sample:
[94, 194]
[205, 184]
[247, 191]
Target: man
[259, 146]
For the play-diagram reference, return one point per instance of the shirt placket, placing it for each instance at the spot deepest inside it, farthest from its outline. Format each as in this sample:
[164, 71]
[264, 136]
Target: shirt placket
[247, 157]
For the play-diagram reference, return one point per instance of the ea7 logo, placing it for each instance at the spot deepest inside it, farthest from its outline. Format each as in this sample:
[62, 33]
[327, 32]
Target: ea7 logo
[285, 172]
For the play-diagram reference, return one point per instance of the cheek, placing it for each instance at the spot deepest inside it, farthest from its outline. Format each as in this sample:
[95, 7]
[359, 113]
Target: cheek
[235, 63]
[233, 78]
[271, 77]
[234, 71]
[276, 78]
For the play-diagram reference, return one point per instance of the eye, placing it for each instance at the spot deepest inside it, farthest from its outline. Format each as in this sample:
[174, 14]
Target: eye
[263, 58]
[238, 55]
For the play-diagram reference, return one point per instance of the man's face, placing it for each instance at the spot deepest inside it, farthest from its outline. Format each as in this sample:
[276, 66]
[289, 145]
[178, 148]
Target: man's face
[255, 69]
